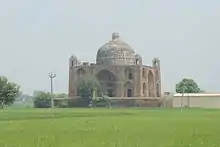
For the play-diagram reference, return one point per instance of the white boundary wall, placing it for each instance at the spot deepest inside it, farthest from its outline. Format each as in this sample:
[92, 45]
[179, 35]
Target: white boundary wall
[199, 100]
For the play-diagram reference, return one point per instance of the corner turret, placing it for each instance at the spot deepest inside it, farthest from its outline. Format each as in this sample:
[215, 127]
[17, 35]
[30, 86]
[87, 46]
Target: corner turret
[74, 62]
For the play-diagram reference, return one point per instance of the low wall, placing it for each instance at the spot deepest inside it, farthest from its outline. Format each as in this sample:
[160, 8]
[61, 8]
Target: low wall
[169, 102]
[166, 101]
[119, 102]
[135, 102]
[200, 102]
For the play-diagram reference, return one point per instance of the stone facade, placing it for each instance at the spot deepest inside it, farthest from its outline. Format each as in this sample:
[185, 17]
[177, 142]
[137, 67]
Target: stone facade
[119, 71]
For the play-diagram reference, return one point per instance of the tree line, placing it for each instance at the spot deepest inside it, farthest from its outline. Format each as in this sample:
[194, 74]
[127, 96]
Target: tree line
[86, 86]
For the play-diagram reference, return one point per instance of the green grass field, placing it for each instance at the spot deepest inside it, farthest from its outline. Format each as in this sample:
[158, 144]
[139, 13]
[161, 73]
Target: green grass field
[109, 128]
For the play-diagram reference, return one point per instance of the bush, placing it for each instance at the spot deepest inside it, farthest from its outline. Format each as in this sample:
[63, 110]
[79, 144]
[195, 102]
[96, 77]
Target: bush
[42, 104]
[78, 102]
[61, 103]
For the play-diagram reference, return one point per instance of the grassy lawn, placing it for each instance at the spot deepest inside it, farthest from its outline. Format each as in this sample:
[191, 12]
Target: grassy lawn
[109, 128]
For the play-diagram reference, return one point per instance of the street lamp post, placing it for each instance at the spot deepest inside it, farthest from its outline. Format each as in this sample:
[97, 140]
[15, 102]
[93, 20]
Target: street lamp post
[51, 76]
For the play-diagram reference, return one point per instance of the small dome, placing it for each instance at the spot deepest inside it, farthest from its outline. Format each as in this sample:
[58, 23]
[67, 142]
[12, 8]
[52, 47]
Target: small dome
[116, 52]
[73, 57]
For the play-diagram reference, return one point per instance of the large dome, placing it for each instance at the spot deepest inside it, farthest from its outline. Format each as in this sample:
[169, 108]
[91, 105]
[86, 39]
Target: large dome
[116, 52]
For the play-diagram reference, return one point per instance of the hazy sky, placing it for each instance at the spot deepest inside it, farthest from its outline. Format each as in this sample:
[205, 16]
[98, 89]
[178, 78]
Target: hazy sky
[39, 36]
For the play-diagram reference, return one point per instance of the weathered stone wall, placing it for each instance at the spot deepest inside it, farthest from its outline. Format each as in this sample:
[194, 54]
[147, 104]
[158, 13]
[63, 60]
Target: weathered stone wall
[146, 82]
[135, 102]
[165, 102]
[119, 102]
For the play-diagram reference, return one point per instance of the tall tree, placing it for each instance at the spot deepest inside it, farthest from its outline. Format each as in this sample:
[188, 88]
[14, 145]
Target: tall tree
[8, 91]
[187, 86]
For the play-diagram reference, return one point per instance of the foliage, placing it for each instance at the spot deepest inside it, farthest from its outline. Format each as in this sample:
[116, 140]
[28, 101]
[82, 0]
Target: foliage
[61, 100]
[43, 99]
[86, 85]
[102, 101]
[78, 103]
[8, 91]
[187, 86]
[61, 95]
[109, 128]
[23, 101]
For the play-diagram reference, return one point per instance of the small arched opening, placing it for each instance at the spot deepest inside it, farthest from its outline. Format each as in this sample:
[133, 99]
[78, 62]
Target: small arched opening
[128, 90]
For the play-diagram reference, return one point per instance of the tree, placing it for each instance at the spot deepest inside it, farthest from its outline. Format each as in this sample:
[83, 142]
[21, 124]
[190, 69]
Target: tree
[42, 99]
[61, 95]
[8, 91]
[86, 86]
[187, 86]
[61, 100]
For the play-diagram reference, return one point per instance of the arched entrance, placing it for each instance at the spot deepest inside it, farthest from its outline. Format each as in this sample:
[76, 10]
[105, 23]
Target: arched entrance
[150, 84]
[128, 90]
[107, 82]
[144, 89]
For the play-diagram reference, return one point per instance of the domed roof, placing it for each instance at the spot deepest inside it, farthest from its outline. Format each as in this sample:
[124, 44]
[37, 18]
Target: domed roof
[116, 52]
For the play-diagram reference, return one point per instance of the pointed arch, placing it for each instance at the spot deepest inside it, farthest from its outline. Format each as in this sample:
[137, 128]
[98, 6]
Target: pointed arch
[106, 75]
[150, 83]
[128, 89]
[129, 73]
[143, 73]
[144, 89]
[108, 82]
[80, 72]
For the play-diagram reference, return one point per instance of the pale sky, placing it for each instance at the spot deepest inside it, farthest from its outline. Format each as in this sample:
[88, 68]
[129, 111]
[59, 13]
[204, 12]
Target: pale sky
[39, 36]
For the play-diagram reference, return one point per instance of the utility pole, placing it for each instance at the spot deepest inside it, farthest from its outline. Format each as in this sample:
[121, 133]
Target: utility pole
[182, 98]
[51, 76]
